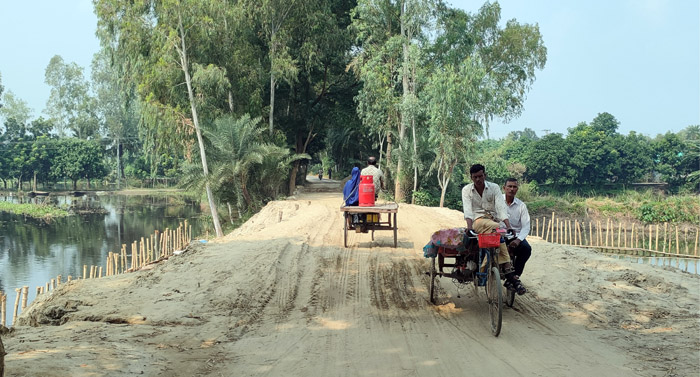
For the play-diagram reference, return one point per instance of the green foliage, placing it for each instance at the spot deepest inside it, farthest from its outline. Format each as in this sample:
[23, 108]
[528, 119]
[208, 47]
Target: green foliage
[426, 198]
[673, 209]
[38, 211]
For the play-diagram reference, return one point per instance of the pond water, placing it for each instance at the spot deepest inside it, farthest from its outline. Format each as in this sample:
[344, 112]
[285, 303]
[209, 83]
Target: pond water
[684, 264]
[32, 252]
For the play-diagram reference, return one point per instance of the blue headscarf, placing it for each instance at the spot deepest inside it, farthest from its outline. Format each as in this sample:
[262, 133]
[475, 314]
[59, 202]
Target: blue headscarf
[351, 194]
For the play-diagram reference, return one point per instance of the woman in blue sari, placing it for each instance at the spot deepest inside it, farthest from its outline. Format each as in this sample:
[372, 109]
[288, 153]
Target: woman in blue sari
[351, 195]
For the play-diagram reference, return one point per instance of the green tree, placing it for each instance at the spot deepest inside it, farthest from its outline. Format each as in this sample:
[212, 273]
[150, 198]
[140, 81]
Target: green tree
[170, 52]
[78, 158]
[676, 159]
[453, 97]
[594, 152]
[549, 161]
[635, 160]
[70, 105]
[15, 108]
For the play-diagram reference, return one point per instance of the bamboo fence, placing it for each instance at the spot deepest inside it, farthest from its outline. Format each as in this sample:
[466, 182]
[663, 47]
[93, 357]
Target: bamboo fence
[158, 246]
[665, 240]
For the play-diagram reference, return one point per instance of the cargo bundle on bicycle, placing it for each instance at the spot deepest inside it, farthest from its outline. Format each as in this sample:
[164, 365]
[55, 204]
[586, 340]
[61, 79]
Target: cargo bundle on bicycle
[471, 259]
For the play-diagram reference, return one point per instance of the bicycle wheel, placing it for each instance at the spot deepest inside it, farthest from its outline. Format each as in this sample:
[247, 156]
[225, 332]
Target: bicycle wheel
[494, 296]
[433, 275]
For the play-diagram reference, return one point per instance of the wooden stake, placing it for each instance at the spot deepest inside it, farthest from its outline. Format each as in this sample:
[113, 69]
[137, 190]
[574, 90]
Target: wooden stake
[47, 287]
[3, 309]
[656, 244]
[70, 277]
[697, 233]
[25, 295]
[607, 232]
[665, 236]
[53, 284]
[84, 271]
[14, 315]
[38, 290]
[686, 242]
[678, 246]
[100, 275]
[552, 225]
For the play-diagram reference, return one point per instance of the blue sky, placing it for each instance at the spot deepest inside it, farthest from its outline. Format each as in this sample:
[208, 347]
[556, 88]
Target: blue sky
[638, 60]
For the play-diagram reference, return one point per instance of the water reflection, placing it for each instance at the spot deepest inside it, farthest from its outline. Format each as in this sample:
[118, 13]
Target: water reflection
[684, 264]
[34, 251]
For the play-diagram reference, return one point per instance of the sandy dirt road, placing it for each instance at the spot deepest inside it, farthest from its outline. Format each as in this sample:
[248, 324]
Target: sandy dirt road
[281, 296]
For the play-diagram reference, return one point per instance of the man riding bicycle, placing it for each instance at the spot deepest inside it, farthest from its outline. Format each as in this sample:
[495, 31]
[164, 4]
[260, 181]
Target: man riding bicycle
[484, 208]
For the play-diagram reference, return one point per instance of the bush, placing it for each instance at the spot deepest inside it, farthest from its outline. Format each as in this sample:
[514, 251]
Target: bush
[425, 198]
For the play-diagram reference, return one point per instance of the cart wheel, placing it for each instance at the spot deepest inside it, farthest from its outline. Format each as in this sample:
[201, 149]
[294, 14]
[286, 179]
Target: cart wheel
[345, 230]
[510, 297]
[433, 275]
[494, 295]
[395, 226]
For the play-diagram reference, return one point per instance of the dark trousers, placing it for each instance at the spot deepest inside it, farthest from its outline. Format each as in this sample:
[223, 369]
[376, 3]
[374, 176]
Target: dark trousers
[520, 256]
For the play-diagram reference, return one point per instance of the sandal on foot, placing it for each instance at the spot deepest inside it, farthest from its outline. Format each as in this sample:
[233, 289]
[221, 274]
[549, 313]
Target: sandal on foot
[519, 288]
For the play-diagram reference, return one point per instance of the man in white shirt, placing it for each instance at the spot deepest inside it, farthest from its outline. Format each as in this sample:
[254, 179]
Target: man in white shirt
[376, 173]
[484, 208]
[520, 222]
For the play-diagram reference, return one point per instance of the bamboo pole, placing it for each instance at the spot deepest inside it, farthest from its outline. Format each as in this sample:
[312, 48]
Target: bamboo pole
[84, 271]
[38, 290]
[187, 238]
[607, 232]
[572, 233]
[656, 244]
[134, 257]
[70, 277]
[633, 240]
[590, 233]
[552, 225]
[580, 233]
[678, 246]
[3, 309]
[686, 242]
[697, 233]
[14, 315]
[25, 296]
[100, 275]
[150, 248]
[53, 284]
[549, 232]
[665, 236]
[47, 287]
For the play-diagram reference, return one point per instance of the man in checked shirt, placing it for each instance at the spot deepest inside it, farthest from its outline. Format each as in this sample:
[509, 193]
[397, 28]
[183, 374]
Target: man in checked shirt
[484, 209]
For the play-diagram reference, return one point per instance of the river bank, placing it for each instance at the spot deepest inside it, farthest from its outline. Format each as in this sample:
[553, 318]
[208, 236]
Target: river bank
[282, 296]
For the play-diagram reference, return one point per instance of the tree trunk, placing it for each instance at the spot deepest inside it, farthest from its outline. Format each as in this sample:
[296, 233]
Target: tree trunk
[272, 77]
[34, 183]
[415, 165]
[2, 359]
[195, 120]
[398, 194]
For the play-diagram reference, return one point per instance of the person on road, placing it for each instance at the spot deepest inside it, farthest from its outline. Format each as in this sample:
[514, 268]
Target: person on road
[519, 219]
[484, 208]
[376, 173]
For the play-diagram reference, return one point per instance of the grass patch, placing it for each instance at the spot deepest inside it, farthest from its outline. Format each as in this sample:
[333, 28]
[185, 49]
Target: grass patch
[33, 210]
